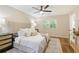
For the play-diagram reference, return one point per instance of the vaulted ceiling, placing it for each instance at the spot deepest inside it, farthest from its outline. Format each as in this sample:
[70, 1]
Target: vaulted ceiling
[27, 9]
[56, 9]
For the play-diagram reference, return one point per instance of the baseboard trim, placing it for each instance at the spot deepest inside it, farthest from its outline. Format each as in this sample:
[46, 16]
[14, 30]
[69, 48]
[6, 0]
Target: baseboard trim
[58, 37]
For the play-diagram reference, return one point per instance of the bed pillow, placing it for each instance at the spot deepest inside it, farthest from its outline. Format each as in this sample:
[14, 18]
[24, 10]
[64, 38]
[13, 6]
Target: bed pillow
[21, 33]
[24, 32]
[34, 33]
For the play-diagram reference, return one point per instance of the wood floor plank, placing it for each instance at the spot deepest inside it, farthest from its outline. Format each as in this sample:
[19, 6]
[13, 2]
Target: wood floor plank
[66, 46]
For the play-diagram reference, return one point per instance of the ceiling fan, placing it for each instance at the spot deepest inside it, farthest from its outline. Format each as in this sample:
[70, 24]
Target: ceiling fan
[42, 9]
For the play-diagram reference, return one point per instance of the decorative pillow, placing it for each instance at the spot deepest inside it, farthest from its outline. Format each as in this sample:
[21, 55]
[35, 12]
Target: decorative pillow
[33, 32]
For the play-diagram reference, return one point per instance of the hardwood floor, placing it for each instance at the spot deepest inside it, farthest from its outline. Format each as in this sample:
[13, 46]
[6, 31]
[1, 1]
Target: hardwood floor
[66, 46]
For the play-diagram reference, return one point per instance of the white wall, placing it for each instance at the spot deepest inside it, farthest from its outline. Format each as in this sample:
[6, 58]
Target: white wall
[17, 21]
[14, 18]
[62, 29]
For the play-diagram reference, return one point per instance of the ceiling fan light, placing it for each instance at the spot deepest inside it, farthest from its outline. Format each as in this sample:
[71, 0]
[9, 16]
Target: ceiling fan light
[41, 12]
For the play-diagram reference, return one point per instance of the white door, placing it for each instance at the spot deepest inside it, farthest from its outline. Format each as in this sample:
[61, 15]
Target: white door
[72, 25]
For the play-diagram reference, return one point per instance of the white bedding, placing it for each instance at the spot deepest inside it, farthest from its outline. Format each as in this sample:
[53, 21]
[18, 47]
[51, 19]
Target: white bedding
[35, 43]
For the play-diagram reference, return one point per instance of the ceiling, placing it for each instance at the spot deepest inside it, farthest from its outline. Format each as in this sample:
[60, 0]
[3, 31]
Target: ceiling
[56, 9]
[6, 10]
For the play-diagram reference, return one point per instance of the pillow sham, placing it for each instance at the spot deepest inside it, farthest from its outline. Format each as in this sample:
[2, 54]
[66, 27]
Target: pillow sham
[24, 32]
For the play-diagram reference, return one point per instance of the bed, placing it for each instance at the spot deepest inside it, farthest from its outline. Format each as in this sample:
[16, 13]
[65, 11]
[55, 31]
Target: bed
[31, 44]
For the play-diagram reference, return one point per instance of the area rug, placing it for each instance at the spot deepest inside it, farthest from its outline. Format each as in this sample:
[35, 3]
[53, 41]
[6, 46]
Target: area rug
[54, 46]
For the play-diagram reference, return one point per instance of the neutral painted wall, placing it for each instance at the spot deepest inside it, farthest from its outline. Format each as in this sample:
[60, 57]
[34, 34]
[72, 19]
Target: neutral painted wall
[21, 20]
[77, 17]
[62, 29]
[17, 21]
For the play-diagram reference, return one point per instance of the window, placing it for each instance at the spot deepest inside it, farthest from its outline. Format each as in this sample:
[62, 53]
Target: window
[49, 24]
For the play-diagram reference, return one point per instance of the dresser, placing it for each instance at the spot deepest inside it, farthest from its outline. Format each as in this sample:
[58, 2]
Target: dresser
[6, 42]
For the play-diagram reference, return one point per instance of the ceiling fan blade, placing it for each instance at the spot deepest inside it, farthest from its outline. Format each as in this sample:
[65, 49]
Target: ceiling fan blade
[46, 6]
[35, 8]
[47, 11]
[41, 8]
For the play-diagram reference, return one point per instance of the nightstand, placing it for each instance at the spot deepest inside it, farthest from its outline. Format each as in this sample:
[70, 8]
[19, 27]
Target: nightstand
[6, 42]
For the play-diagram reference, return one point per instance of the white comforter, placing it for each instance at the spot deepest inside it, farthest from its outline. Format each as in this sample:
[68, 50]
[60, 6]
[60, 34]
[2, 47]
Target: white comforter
[36, 43]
